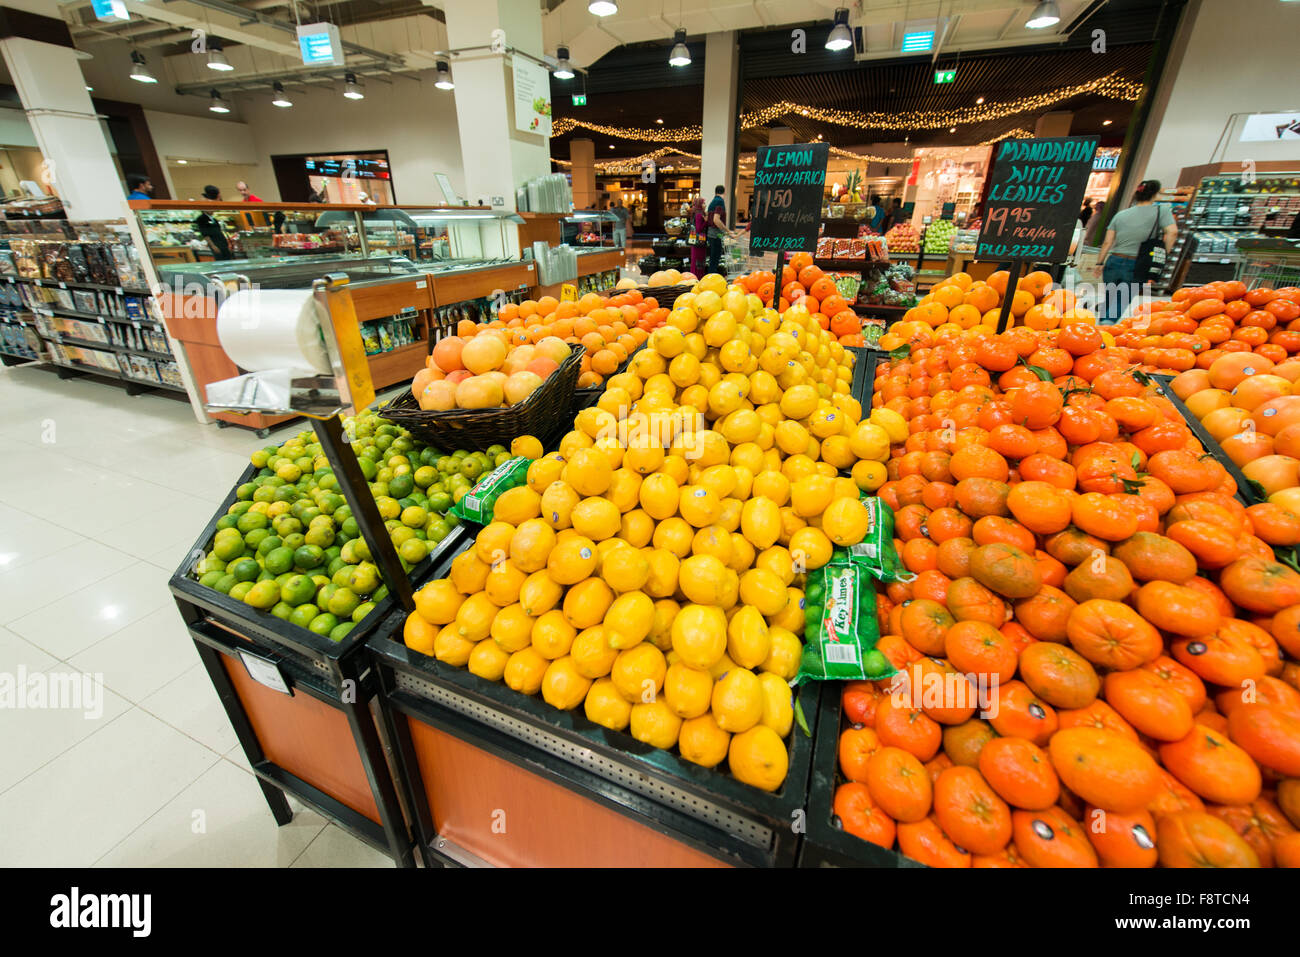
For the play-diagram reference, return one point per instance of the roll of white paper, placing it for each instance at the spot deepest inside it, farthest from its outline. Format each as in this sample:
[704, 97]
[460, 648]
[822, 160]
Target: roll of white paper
[273, 329]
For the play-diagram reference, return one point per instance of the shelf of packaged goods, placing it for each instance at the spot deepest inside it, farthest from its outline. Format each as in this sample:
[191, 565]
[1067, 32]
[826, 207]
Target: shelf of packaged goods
[89, 316]
[109, 347]
[65, 284]
[19, 355]
[110, 374]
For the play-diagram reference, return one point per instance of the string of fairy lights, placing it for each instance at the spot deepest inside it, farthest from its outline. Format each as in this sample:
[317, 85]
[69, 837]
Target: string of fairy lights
[1110, 86]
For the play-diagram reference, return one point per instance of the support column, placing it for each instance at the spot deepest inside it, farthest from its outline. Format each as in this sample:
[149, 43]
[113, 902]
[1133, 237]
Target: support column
[497, 157]
[721, 72]
[1054, 124]
[53, 93]
[582, 153]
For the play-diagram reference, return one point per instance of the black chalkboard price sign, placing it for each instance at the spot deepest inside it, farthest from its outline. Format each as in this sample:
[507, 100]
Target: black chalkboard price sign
[788, 185]
[1034, 198]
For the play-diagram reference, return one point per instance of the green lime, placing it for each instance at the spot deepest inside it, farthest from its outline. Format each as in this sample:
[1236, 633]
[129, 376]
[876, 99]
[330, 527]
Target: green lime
[471, 468]
[264, 595]
[251, 520]
[323, 624]
[439, 502]
[451, 519]
[287, 525]
[383, 441]
[340, 631]
[501, 459]
[349, 528]
[326, 479]
[363, 579]
[400, 486]
[265, 493]
[297, 590]
[259, 458]
[343, 576]
[332, 552]
[331, 502]
[414, 517]
[282, 610]
[308, 515]
[211, 564]
[320, 535]
[360, 550]
[875, 663]
[283, 577]
[309, 556]
[295, 541]
[334, 565]
[325, 593]
[256, 537]
[368, 468]
[438, 530]
[239, 508]
[343, 602]
[264, 576]
[380, 594]
[245, 570]
[413, 551]
[425, 476]
[495, 450]
[229, 548]
[210, 579]
[279, 560]
[269, 544]
[240, 590]
[360, 612]
[245, 492]
[303, 614]
[388, 507]
[401, 535]
[286, 493]
[225, 583]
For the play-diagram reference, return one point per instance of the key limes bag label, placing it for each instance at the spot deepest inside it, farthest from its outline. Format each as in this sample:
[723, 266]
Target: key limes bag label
[477, 504]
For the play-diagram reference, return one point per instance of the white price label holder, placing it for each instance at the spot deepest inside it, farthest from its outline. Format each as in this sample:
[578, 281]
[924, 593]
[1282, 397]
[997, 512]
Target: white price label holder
[265, 671]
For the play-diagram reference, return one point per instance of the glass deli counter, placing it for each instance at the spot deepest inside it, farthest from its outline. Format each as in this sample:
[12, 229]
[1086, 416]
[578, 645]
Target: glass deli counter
[403, 265]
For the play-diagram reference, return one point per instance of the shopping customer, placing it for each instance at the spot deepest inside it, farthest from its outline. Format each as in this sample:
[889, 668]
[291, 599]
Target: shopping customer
[138, 186]
[208, 227]
[620, 227]
[1121, 271]
[245, 192]
[716, 217]
[697, 227]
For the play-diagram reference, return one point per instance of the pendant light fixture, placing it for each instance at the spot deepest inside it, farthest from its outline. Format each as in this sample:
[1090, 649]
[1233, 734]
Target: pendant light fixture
[1046, 14]
[218, 105]
[681, 54]
[840, 38]
[444, 77]
[279, 98]
[217, 57]
[563, 68]
[602, 8]
[351, 88]
[140, 71]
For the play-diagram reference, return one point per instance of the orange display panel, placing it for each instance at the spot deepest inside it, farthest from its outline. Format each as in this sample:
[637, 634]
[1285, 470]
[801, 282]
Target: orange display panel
[307, 738]
[511, 817]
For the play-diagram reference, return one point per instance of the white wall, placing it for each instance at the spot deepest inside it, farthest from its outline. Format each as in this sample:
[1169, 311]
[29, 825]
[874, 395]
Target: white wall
[1239, 57]
[410, 118]
[226, 145]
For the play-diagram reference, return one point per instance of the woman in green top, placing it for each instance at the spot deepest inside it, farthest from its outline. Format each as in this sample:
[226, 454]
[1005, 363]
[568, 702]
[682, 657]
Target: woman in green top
[1125, 234]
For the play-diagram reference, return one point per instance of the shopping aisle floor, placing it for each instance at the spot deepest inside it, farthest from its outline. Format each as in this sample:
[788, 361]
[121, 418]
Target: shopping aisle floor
[101, 495]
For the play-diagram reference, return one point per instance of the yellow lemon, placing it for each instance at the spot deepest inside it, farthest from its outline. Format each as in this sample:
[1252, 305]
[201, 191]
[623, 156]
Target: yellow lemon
[552, 635]
[643, 457]
[893, 424]
[712, 540]
[720, 479]
[783, 655]
[703, 579]
[791, 437]
[668, 341]
[699, 635]
[517, 505]
[474, 617]
[591, 652]
[811, 494]
[675, 534]
[763, 388]
[661, 578]
[702, 742]
[531, 545]
[543, 472]
[742, 553]
[870, 441]
[661, 628]
[418, 634]
[777, 560]
[836, 451]
[659, 495]
[825, 422]
[452, 649]
[503, 583]
[687, 690]
[737, 703]
[539, 593]
[562, 686]
[606, 707]
[572, 559]
[846, 521]
[654, 724]
[636, 528]
[625, 569]
[487, 660]
[588, 471]
[638, 673]
[719, 328]
[771, 485]
[512, 629]
[699, 505]
[492, 544]
[758, 757]
[791, 617]
[439, 600]
[524, 671]
[586, 602]
[596, 518]
[557, 504]
[799, 402]
[869, 475]
[628, 619]
[764, 591]
[748, 643]
[760, 520]
[729, 517]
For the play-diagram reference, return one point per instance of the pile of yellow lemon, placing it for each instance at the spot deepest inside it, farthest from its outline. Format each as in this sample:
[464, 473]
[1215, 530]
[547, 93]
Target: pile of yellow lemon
[650, 569]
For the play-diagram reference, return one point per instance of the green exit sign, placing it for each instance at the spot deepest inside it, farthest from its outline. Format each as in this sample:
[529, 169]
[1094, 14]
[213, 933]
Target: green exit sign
[944, 76]
[580, 99]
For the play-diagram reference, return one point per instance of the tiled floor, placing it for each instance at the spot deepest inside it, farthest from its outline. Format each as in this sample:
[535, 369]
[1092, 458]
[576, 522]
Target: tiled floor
[101, 494]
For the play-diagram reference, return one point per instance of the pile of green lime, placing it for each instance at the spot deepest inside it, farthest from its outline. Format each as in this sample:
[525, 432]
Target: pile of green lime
[290, 546]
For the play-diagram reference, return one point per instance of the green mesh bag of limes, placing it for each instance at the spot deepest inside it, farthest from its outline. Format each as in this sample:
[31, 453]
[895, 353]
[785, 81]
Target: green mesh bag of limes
[477, 504]
[840, 630]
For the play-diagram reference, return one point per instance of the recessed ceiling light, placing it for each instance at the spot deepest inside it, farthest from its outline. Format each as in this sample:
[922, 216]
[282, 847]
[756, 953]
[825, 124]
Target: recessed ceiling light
[140, 71]
[680, 54]
[660, 121]
[840, 38]
[1105, 122]
[611, 145]
[1046, 14]
[182, 162]
[217, 57]
[602, 8]
[979, 99]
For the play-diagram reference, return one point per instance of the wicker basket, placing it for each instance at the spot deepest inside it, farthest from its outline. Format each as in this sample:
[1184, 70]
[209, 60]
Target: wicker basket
[543, 414]
[666, 295]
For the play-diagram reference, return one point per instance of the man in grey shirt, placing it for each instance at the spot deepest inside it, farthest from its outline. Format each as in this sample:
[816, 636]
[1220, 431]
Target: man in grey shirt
[1125, 235]
[620, 229]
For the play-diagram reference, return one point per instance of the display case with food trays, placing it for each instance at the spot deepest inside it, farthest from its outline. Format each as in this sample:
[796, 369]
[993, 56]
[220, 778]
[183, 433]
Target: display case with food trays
[589, 227]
